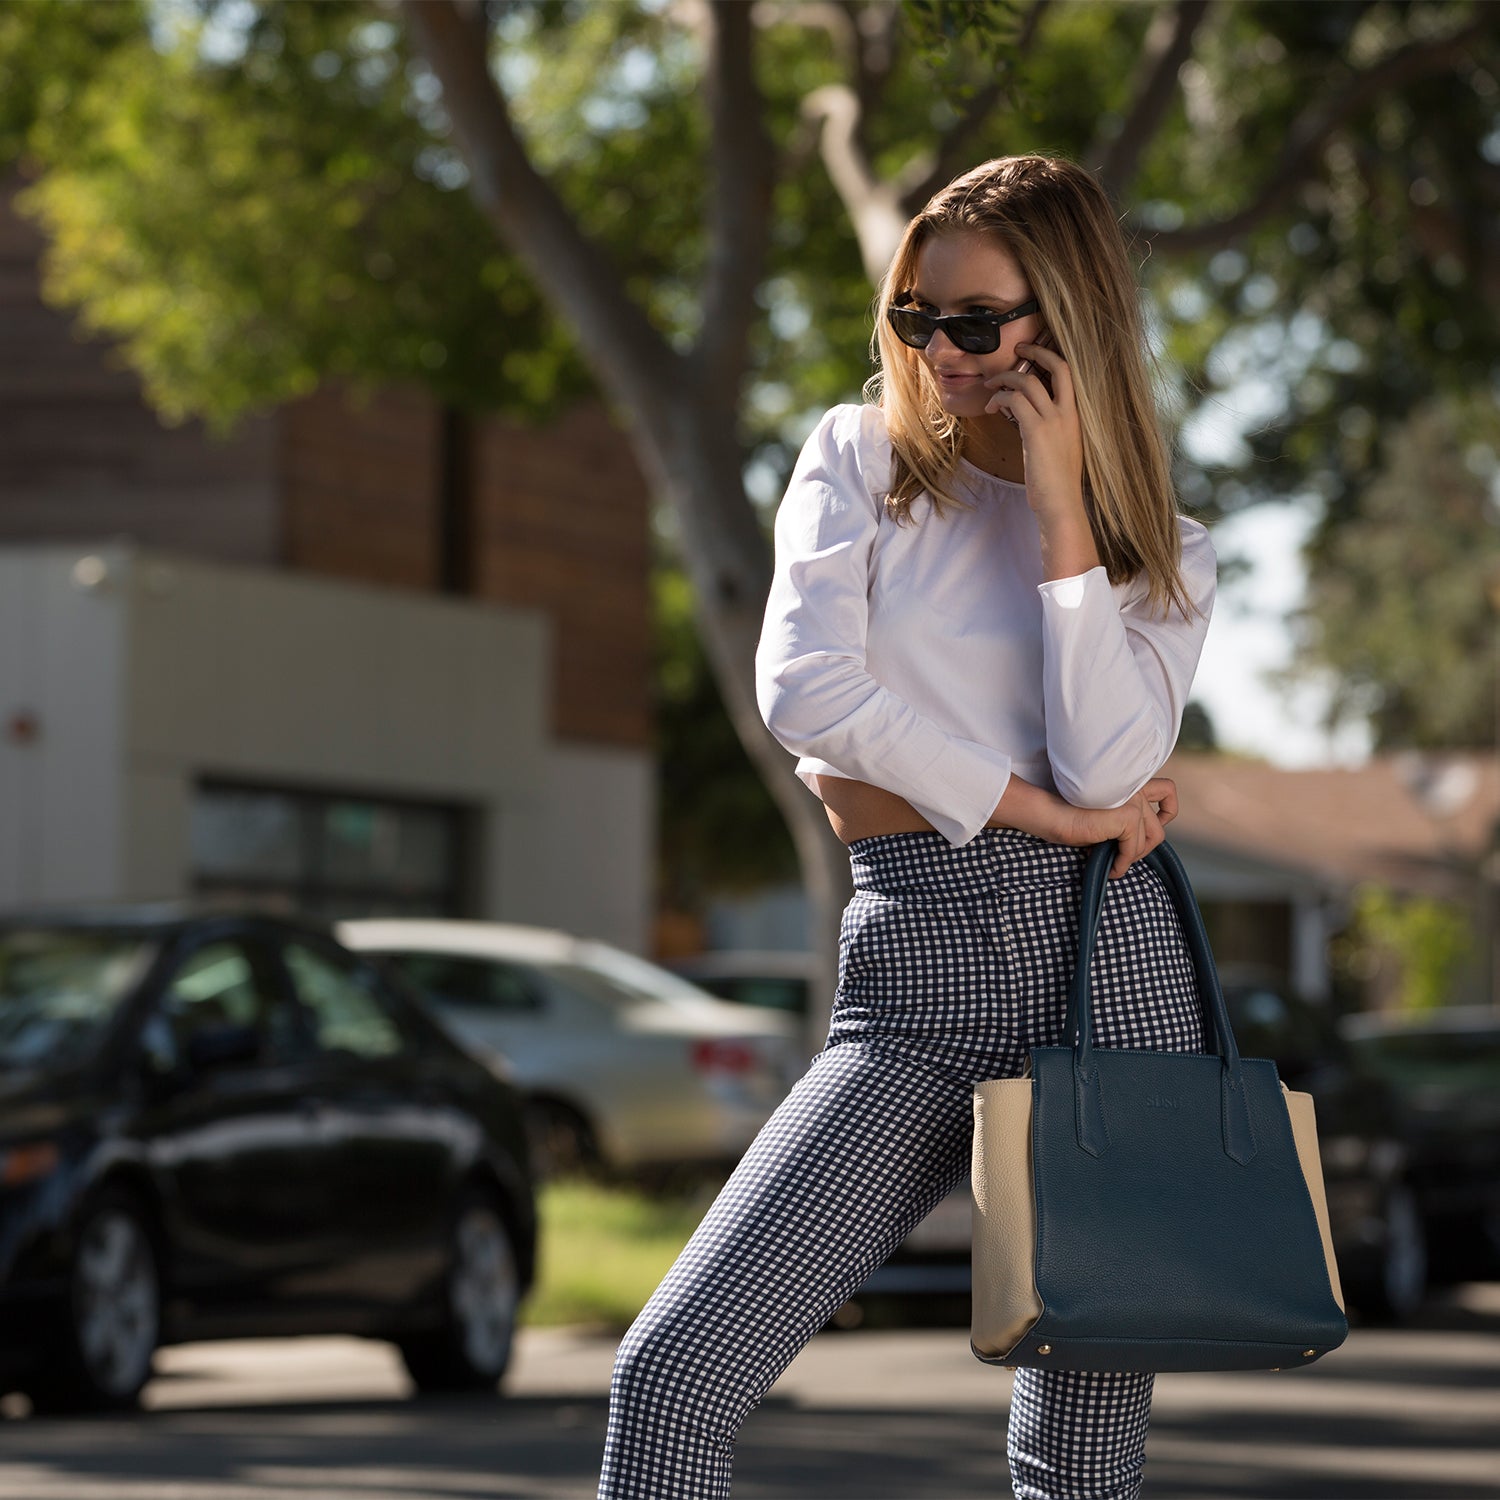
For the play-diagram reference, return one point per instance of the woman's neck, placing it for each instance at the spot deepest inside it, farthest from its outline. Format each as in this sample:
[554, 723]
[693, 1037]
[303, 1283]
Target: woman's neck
[993, 445]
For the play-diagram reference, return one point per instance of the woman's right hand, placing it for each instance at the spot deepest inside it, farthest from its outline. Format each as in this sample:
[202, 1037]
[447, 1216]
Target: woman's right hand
[1138, 825]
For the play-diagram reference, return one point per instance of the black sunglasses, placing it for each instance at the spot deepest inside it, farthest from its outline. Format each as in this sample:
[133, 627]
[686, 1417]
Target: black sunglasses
[974, 333]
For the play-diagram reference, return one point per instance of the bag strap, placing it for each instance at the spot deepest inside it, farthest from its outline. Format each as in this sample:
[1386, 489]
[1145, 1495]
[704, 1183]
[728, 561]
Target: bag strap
[1093, 1135]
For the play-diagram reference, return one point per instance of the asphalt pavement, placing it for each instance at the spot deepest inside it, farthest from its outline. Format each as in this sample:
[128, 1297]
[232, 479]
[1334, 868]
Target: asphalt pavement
[1404, 1414]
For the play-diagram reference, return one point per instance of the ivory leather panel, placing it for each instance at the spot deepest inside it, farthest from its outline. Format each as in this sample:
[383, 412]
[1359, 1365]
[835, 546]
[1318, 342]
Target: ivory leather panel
[1305, 1134]
[1005, 1298]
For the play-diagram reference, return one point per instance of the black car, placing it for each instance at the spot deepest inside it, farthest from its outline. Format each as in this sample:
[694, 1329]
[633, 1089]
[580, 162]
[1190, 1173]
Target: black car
[1370, 1170]
[1443, 1067]
[224, 1125]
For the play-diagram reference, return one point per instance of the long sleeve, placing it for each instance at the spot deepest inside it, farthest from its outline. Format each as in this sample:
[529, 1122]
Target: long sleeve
[814, 690]
[1116, 675]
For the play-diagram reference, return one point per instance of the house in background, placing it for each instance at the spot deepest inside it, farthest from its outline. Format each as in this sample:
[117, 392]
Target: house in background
[358, 658]
[1276, 856]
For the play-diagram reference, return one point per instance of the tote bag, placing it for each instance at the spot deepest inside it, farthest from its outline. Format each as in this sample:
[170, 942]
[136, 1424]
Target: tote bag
[1148, 1211]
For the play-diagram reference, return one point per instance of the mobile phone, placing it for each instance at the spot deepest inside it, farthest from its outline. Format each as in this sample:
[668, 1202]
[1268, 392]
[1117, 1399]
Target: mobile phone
[1043, 340]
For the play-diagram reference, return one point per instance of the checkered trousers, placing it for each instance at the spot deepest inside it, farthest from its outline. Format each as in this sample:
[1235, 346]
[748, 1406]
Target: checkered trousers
[953, 964]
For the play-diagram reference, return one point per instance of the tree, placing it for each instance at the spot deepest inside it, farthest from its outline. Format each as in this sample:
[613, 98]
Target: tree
[1403, 605]
[648, 201]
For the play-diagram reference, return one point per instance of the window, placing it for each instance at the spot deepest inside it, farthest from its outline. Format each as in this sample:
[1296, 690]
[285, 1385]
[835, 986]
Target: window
[472, 983]
[343, 1001]
[218, 986]
[329, 855]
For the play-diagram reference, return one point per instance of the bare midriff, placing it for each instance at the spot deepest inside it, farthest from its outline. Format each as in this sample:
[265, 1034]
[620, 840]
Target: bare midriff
[858, 810]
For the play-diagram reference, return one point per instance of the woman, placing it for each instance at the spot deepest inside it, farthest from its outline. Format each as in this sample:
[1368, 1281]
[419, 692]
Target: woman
[984, 622]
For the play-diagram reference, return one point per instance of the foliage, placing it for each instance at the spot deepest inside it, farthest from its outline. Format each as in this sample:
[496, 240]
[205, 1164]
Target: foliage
[1413, 947]
[718, 829]
[1404, 604]
[603, 1250]
[249, 226]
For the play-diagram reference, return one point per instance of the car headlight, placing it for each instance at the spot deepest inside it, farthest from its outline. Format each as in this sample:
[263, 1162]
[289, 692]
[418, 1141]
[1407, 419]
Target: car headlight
[22, 1164]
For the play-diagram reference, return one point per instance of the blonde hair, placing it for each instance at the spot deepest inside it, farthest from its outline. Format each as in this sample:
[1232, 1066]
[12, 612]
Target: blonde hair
[1057, 221]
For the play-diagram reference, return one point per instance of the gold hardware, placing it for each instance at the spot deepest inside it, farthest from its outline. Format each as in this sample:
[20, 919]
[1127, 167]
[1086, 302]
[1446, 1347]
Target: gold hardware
[1308, 1353]
[1044, 1348]
[1274, 1368]
[1010, 1367]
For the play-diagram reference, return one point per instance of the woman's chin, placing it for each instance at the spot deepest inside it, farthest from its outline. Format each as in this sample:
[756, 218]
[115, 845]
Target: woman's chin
[964, 403]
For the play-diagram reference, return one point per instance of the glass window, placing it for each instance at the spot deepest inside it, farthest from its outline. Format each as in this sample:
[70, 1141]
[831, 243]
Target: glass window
[343, 1000]
[218, 986]
[246, 834]
[472, 983]
[329, 855]
[58, 989]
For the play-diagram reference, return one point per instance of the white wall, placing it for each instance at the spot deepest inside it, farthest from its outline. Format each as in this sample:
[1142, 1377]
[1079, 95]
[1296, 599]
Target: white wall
[585, 847]
[173, 669]
[61, 652]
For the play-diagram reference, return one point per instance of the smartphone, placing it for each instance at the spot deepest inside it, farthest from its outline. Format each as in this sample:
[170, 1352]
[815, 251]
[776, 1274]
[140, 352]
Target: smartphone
[1043, 340]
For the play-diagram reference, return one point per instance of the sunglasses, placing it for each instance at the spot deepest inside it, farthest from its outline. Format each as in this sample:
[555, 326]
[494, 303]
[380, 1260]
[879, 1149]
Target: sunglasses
[974, 333]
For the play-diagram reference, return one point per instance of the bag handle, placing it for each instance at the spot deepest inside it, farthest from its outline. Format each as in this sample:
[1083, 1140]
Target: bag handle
[1093, 1134]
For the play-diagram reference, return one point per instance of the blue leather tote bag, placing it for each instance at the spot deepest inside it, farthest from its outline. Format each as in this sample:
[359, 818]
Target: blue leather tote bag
[1150, 1210]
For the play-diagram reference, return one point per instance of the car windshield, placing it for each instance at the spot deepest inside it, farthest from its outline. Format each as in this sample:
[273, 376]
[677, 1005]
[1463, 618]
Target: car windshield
[632, 978]
[58, 989]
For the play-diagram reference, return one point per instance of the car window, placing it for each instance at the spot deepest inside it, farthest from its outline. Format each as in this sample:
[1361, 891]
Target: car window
[1459, 1060]
[1270, 1024]
[477, 984]
[58, 989]
[343, 999]
[219, 985]
[636, 977]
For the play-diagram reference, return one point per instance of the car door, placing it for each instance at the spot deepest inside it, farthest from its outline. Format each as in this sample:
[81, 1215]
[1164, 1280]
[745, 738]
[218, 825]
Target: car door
[397, 1139]
[231, 1124]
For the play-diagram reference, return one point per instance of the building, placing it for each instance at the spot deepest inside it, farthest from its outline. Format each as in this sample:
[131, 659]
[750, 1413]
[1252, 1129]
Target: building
[362, 656]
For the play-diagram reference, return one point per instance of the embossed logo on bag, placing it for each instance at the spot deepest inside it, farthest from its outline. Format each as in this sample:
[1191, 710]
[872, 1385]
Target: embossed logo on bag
[1160, 1101]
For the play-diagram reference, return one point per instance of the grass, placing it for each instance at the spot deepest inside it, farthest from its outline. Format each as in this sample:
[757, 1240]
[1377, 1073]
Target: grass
[603, 1249]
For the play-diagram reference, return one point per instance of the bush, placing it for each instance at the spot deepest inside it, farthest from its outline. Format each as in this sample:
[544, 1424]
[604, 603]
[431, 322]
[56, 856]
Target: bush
[603, 1250]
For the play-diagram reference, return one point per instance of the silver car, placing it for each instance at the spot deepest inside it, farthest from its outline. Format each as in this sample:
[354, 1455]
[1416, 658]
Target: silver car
[620, 1063]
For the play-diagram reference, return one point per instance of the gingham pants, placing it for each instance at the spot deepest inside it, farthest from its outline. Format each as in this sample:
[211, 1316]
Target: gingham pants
[953, 963]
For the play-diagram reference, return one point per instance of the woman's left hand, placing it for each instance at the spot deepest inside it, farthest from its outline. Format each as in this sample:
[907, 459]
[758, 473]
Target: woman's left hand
[1051, 440]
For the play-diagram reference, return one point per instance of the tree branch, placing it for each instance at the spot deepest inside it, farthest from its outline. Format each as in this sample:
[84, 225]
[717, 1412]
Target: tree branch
[925, 174]
[1312, 128]
[873, 206]
[741, 167]
[1168, 44]
[578, 278]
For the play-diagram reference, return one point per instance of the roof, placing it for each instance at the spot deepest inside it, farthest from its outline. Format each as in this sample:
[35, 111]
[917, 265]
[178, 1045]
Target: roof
[1418, 821]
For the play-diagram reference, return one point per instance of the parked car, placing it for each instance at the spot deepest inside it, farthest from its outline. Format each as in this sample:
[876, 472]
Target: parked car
[776, 979]
[621, 1063]
[1378, 1200]
[1444, 1069]
[221, 1125]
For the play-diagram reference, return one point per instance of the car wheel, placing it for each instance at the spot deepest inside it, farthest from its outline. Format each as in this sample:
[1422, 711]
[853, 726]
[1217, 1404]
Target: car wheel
[558, 1141]
[1399, 1287]
[482, 1294]
[112, 1320]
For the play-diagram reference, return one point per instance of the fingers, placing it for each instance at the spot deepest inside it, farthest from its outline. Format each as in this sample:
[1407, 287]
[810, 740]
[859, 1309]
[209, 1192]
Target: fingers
[1161, 793]
[1018, 390]
[1143, 829]
[1055, 366]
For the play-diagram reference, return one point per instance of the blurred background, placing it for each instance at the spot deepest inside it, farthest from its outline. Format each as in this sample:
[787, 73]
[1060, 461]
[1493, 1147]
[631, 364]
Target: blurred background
[395, 403]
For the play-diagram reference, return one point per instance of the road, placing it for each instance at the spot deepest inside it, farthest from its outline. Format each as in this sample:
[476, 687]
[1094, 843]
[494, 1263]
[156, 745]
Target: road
[1409, 1414]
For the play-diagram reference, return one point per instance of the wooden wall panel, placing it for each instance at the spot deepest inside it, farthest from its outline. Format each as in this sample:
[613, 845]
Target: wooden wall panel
[561, 523]
[359, 486]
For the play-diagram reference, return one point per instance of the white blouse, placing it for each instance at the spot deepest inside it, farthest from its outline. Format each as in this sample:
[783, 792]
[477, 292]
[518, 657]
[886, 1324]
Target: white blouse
[932, 659]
